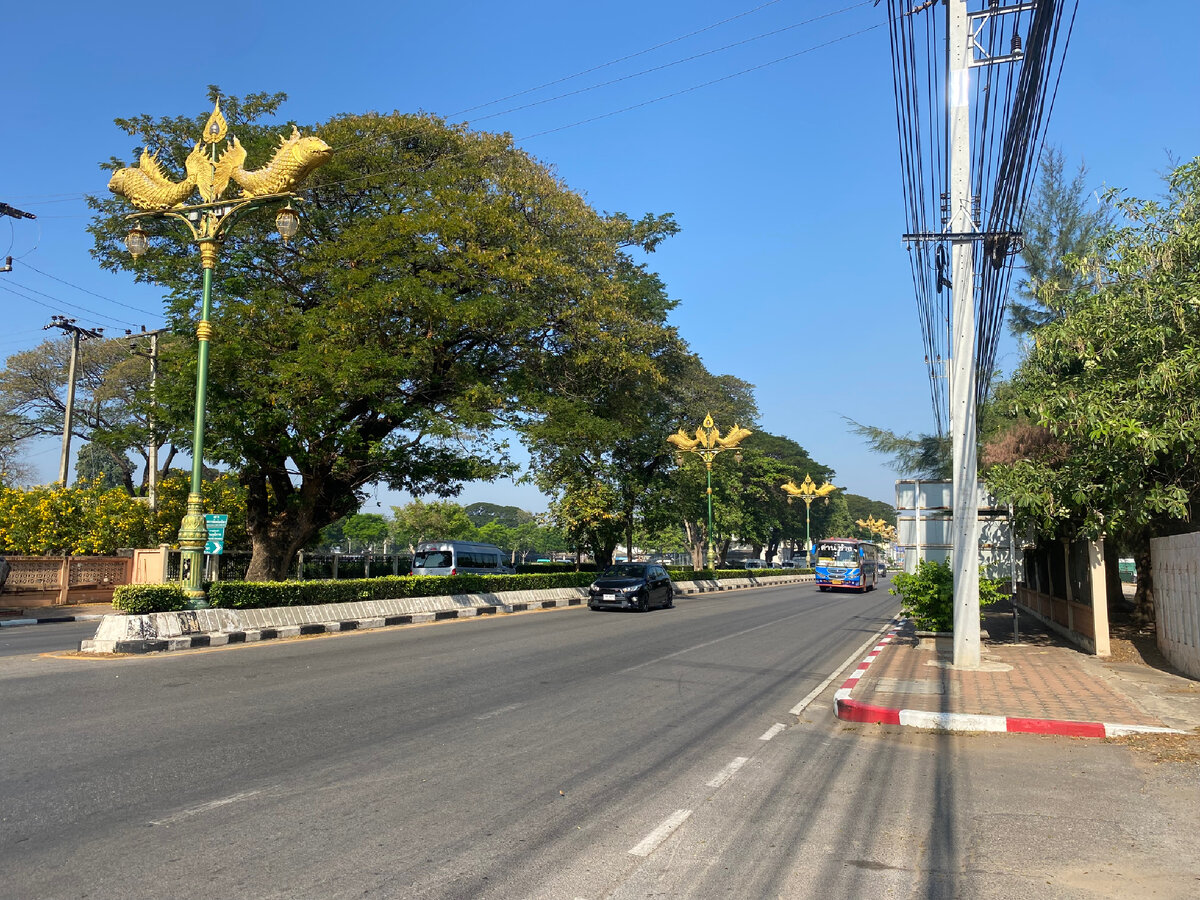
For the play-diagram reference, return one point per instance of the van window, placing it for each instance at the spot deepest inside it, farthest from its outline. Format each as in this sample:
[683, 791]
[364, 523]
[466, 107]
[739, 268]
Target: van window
[433, 559]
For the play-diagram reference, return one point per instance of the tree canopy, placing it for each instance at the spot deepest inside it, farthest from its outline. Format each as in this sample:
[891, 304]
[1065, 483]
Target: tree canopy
[1106, 405]
[438, 275]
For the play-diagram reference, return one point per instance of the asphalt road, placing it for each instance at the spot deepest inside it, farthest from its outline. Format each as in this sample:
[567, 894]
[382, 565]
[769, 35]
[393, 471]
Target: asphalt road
[30, 640]
[560, 754]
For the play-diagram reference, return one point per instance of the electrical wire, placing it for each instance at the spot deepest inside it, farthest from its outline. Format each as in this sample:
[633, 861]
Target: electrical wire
[1011, 105]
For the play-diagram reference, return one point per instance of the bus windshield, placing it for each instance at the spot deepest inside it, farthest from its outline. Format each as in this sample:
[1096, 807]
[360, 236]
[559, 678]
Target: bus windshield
[838, 553]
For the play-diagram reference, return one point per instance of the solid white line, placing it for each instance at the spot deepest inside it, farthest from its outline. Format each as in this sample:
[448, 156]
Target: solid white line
[204, 807]
[1122, 730]
[650, 843]
[816, 692]
[728, 772]
[772, 731]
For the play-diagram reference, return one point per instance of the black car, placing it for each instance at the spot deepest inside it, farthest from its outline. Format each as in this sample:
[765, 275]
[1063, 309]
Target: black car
[636, 586]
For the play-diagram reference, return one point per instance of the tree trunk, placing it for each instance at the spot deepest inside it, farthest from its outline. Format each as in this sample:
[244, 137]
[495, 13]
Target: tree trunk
[695, 544]
[272, 555]
[1143, 598]
[1113, 589]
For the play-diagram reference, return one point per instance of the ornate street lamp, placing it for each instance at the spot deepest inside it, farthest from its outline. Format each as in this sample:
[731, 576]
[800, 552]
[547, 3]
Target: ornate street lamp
[148, 188]
[707, 444]
[878, 526]
[807, 491]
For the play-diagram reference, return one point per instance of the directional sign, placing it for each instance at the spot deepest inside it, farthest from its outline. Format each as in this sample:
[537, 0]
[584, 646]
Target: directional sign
[216, 533]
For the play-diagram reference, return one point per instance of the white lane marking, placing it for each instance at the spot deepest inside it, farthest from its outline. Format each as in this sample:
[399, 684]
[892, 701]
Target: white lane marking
[204, 807]
[772, 731]
[854, 657]
[650, 843]
[725, 637]
[498, 712]
[728, 772]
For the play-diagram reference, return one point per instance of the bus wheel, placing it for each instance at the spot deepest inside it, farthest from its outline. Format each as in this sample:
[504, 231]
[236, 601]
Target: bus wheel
[822, 587]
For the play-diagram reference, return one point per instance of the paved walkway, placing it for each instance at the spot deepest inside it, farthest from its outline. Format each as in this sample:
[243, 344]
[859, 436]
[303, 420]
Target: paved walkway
[1039, 684]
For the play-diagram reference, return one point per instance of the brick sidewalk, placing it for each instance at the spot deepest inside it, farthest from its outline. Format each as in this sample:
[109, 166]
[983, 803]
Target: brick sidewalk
[1034, 683]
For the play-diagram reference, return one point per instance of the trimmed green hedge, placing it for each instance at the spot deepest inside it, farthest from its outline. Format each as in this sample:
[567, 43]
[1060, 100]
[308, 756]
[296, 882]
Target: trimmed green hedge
[259, 594]
[148, 598]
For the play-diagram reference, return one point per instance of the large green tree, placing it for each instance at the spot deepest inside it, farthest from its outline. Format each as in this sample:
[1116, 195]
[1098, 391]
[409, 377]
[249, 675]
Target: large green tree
[437, 271]
[112, 404]
[1060, 229]
[1107, 403]
[597, 442]
[438, 520]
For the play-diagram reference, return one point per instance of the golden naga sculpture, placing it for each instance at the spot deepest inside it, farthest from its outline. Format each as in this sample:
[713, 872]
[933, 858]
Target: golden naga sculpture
[878, 526]
[709, 438]
[296, 157]
[808, 490]
[148, 188]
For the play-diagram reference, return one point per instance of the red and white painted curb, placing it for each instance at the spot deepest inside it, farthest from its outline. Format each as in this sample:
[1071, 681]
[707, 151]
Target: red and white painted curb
[855, 711]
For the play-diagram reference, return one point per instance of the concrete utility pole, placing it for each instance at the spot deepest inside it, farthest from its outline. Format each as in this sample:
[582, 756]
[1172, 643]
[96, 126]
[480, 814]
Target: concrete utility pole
[964, 232]
[152, 455]
[77, 333]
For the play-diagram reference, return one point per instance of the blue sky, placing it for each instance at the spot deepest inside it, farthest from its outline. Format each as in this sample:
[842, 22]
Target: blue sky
[785, 180]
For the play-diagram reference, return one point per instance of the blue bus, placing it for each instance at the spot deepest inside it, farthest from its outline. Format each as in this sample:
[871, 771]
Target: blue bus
[847, 563]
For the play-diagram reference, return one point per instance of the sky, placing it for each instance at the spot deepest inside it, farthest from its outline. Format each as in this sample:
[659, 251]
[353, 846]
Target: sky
[777, 156]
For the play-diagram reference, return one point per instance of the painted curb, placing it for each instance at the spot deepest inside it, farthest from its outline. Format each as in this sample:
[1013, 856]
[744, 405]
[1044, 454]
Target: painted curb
[850, 710]
[47, 620]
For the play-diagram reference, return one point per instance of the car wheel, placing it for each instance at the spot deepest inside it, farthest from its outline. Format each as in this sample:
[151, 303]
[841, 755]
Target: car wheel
[643, 603]
[670, 604]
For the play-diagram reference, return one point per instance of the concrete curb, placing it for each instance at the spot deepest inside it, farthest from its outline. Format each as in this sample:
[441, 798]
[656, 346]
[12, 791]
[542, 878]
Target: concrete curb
[46, 620]
[192, 629]
[851, 710]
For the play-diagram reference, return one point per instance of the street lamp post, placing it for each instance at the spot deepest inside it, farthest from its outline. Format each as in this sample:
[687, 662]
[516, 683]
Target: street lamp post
[707, 444]
[807, 491]
[148, 189]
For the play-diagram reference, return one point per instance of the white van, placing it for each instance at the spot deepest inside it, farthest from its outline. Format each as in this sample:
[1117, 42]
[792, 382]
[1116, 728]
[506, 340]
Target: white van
[459, 558]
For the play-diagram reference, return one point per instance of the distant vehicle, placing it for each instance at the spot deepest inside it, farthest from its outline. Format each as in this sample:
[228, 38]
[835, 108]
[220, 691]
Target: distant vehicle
[755, 564]
[459, 558]
[882, 569]
[848, 563]
[636, 586]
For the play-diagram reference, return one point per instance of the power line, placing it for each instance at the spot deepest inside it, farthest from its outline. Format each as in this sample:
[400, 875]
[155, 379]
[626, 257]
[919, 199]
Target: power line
[613, 62]
[668, 65]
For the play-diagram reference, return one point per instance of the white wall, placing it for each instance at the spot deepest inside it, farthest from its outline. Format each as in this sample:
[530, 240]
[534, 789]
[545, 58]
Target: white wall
[1175, 568]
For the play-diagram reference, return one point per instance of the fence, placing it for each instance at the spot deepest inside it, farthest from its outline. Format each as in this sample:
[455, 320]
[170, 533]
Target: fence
[308, 566]
[54, 581]
[1064, 587]
[1175, 570]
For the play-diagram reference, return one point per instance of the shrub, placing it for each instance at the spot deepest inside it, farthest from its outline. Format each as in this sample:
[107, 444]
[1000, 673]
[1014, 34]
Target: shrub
[928, 595]
[260, 594]
[136, 599]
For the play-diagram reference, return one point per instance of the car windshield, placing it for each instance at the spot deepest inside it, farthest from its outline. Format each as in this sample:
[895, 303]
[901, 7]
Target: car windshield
[625, 570]
[433, 559]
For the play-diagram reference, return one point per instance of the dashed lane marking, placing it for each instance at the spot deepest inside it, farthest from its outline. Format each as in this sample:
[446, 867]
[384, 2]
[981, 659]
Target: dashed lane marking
[650, 843]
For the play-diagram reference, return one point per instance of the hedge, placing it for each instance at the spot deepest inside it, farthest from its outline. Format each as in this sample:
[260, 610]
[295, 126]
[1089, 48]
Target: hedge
[147, 598]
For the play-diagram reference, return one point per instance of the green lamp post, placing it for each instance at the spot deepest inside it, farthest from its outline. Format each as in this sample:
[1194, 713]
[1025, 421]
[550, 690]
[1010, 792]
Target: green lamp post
[707, 444]
[148, 189]
[807, 491]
